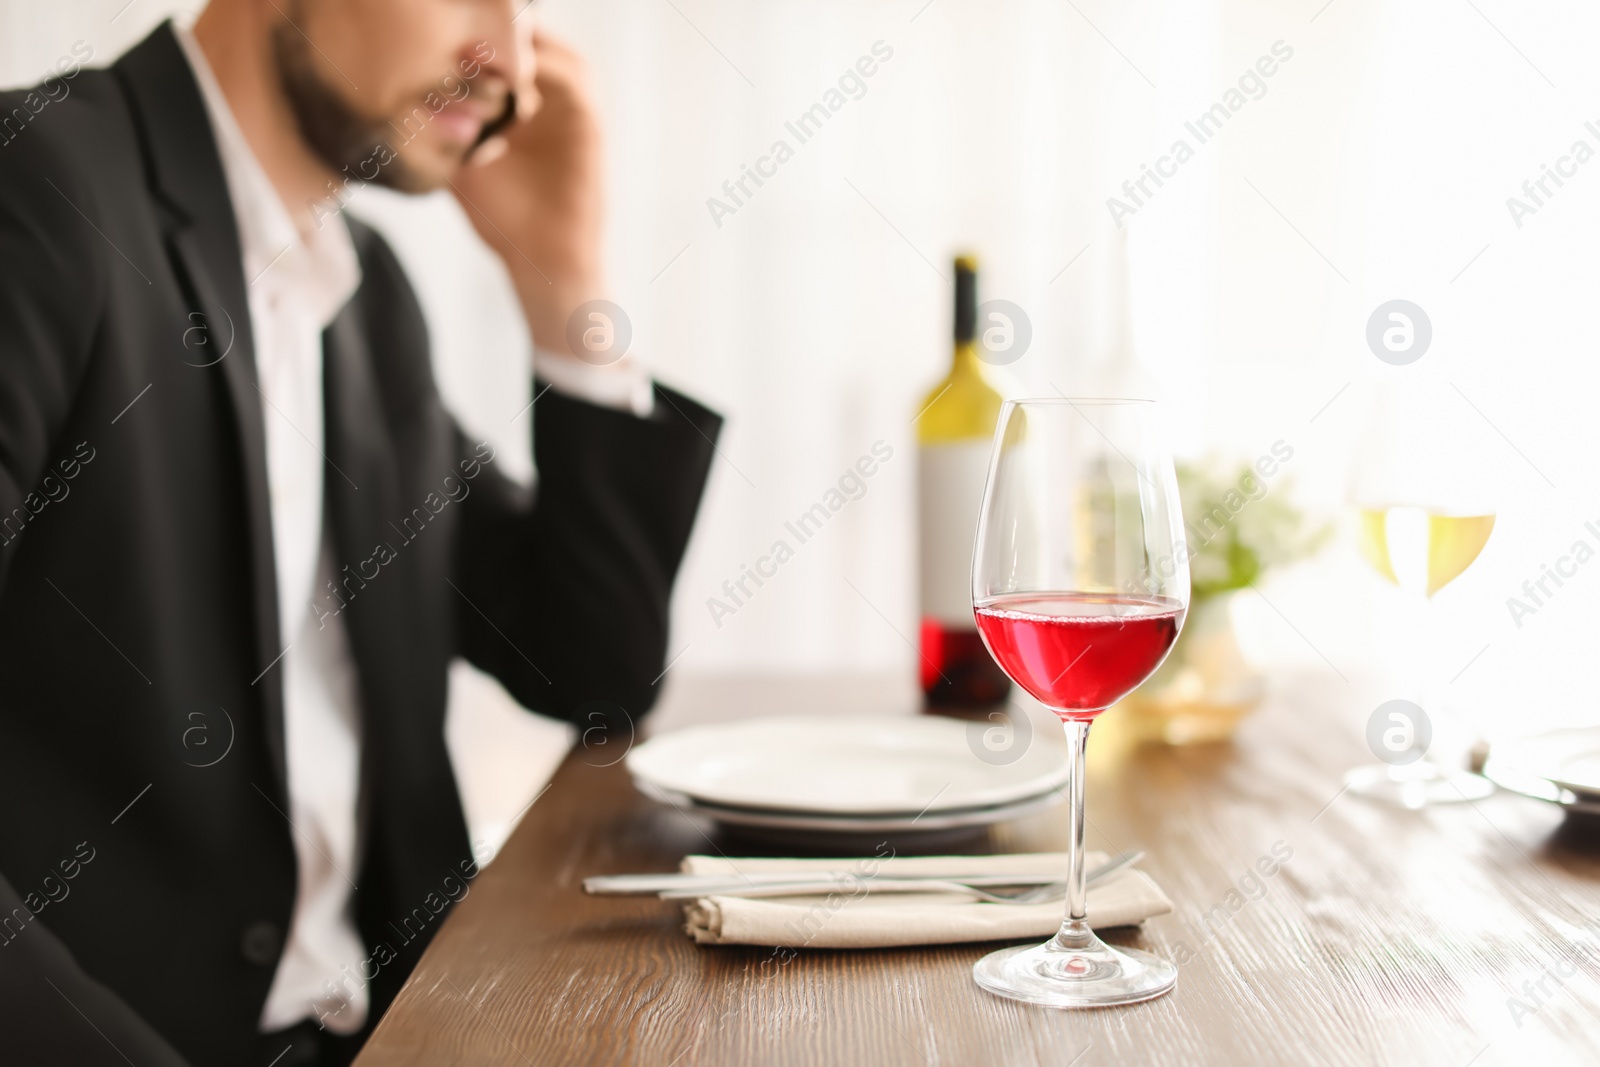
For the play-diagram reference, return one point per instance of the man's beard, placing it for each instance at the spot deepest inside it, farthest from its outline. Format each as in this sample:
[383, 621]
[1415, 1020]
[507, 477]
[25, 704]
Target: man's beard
[344, 139]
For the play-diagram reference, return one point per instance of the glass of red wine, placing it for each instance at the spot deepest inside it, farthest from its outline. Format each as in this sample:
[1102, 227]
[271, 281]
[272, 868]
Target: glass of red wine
[1080, 581]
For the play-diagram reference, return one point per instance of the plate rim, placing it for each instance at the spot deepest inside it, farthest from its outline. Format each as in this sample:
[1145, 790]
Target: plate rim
[994, 796]
[1507, 771]
[822, 823]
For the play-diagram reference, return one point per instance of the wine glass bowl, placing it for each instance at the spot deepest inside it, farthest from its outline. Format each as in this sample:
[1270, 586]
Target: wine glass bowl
[1080, 583]
[1078, 654]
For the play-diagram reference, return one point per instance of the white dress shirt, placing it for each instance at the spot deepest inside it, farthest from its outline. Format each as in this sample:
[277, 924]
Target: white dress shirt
[297, 283]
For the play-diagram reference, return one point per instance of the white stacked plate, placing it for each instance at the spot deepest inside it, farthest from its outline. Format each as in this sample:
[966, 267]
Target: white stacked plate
[810, 778]
[1562, 767]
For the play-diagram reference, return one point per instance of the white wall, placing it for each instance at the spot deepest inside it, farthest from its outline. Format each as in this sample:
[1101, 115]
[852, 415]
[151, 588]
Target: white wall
[1376, 166]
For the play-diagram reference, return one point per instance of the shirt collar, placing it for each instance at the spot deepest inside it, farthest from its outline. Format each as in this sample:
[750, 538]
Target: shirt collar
[322, 273]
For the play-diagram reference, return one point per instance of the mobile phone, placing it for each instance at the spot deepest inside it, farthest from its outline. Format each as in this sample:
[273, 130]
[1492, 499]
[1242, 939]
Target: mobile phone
[499, 123]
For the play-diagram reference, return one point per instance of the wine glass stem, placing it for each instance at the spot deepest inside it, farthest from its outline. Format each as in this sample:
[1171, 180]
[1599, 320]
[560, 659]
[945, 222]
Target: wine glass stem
[1074, 933]
[1419, 656]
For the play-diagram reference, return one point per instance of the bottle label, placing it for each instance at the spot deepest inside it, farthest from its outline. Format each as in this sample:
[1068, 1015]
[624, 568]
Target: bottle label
[950, 479]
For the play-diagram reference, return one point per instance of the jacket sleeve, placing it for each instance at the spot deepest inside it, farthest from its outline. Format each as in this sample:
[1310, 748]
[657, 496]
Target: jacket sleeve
[565, 590]
[55, 1013]
[51, 290]
[52, 284]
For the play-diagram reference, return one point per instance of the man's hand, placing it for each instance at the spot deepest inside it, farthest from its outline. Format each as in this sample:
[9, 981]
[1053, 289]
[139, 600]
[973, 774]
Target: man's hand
[538, 200]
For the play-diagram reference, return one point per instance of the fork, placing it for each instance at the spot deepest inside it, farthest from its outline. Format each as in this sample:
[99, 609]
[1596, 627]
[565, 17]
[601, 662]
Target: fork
[1053, 891]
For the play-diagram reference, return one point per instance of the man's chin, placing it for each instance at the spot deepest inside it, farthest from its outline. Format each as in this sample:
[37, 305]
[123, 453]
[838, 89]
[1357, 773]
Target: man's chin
[427, 169]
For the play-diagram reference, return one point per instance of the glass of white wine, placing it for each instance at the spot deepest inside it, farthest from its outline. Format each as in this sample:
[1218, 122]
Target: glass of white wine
[1425, 516]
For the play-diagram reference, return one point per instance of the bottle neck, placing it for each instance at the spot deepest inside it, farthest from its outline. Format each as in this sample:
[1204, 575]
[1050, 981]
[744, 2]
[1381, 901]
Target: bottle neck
[965, 362]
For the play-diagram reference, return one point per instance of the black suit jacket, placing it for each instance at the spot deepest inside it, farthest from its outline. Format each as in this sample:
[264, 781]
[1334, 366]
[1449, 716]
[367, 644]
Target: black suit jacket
[148, 865]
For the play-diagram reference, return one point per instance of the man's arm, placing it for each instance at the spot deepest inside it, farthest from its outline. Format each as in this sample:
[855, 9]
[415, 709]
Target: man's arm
[565, 597]
[52, 286]
[55, 1013]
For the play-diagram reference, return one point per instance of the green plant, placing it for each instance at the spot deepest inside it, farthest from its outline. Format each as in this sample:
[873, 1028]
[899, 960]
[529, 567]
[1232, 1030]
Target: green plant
[1239, 526]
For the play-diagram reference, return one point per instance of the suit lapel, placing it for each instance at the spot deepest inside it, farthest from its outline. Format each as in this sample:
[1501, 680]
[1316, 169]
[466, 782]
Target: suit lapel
[186, 171]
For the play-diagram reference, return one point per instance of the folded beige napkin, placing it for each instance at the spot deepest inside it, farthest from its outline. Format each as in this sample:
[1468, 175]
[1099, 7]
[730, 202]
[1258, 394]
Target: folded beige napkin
[854, 917]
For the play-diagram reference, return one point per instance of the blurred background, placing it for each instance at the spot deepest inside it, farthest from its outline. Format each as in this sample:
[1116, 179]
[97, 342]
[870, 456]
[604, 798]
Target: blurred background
[1375, 163]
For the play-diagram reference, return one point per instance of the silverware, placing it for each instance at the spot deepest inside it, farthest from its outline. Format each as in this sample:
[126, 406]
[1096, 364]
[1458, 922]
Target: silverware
[1057, 890]
[1035, 895]
[781, 884]
[637, 884]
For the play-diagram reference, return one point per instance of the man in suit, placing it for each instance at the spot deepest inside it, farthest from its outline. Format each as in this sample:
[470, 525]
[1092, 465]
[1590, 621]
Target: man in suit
[241, 538]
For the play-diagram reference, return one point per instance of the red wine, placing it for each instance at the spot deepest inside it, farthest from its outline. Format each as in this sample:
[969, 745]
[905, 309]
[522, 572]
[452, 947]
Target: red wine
[957, 671]
[1079, 653]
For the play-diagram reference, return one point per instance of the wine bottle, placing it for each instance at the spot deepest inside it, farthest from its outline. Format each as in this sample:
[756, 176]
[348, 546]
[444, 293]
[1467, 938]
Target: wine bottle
[954, 434]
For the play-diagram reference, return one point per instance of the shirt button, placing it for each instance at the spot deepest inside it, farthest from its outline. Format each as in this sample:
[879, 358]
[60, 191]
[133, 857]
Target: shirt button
[260, 943]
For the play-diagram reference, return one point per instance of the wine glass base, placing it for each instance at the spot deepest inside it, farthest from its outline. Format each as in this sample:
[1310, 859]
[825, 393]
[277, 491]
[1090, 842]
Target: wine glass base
[1094, 976]
[1417, 785]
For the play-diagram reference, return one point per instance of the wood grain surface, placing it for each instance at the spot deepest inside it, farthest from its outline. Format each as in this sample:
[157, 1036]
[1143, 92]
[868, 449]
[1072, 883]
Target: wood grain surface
[1465, 934]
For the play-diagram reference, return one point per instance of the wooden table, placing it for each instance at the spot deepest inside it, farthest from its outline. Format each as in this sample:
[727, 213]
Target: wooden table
[1466, 934]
